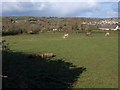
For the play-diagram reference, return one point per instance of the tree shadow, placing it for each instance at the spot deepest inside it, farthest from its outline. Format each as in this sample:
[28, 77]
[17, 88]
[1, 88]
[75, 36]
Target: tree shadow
[24, 72]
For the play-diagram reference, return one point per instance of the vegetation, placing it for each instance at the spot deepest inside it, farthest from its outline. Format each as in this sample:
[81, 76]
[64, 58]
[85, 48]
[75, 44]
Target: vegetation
[75, 27]
[35, 25]
[28, 73]
[80, 62]
[97, 55]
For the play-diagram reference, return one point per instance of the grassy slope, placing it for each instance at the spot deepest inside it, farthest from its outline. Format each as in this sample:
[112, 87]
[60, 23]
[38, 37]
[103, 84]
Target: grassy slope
[99, 54]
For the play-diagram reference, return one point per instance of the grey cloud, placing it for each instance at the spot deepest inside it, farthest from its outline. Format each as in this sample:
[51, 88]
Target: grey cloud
[68, 9]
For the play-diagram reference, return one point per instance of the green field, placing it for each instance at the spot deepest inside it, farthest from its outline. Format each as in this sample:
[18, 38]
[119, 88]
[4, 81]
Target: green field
[98, 54]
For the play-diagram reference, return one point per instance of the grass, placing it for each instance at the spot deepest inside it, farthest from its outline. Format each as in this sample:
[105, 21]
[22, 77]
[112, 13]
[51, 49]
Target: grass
[98, 54]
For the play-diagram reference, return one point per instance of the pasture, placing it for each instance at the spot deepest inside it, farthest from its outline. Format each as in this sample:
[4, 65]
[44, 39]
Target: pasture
[98, 54]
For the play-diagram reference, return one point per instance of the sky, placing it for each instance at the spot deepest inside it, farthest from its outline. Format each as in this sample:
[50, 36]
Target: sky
[92, 9]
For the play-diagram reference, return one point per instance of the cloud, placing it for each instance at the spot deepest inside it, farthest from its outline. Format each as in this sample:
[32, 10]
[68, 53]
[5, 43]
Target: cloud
[54, 8]
[59, 1]
[60, 9]
[22, 6]
[68, 8]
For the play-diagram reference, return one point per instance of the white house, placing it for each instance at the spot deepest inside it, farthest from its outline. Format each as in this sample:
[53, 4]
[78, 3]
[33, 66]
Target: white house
[109, 27]
[117, 27]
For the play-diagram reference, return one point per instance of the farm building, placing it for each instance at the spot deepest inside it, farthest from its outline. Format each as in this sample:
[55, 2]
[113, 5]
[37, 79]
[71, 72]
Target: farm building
[108, 27]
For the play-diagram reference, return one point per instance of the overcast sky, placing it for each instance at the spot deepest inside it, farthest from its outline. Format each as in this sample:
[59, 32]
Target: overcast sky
[61, 9]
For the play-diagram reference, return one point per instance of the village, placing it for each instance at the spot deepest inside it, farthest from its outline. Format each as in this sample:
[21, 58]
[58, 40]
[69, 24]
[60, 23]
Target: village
[54, 24]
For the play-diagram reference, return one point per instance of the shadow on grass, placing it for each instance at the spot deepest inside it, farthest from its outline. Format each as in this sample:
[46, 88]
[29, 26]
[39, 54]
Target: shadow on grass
[24, 72]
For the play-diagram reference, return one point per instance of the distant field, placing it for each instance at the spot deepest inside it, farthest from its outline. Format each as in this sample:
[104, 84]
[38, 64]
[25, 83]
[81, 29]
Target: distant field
[98, 54]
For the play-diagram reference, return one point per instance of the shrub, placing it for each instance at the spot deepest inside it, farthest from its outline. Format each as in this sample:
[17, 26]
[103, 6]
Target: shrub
[5, 45]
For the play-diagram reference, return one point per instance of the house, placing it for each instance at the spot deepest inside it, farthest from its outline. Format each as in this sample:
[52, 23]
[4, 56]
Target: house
[108, 27]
